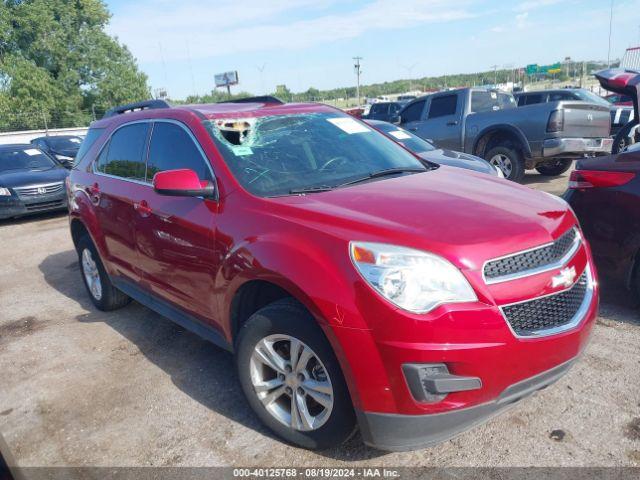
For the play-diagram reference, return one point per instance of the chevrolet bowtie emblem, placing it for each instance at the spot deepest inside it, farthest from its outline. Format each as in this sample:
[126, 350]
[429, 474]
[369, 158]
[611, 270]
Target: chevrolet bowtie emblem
[565, 278]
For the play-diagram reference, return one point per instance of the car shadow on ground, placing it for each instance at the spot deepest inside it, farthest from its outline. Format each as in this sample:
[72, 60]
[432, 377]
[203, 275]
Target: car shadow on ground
[201, 370]
[536, 178]
[38, 217]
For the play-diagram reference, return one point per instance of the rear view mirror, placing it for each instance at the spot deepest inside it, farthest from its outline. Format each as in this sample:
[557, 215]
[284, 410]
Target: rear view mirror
[182, 183]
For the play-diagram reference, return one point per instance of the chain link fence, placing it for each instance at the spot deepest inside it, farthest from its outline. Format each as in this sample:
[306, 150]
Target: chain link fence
[45, 120]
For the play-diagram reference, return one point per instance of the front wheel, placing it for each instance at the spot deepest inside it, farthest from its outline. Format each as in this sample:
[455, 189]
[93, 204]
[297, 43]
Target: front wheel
[553, 168]
[509, 161]
[102, 292]
[291, 377]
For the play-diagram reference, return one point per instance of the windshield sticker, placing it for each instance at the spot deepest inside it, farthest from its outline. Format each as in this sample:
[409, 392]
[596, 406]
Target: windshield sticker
[400, 135]
[348, 125]
[32, 152]
[241, 150]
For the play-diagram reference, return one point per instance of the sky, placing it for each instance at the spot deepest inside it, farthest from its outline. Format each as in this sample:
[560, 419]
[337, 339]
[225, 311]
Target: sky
[182, 44]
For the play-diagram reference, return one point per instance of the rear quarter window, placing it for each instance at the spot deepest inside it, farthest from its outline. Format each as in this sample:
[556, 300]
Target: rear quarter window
[93, 134]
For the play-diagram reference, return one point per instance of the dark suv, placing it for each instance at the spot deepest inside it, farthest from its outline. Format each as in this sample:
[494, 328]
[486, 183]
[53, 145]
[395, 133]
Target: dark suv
[355, 284]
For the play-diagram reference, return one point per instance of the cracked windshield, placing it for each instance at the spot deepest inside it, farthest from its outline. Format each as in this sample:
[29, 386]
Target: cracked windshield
[289, 154]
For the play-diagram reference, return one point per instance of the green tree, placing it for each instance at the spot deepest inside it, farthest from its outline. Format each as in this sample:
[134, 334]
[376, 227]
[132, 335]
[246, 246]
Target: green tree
[57, 63]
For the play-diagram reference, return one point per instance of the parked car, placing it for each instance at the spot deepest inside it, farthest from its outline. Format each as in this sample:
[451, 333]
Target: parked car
[62, 147]
[30, 182]
[487, 123]
[427, 151]
[604, 193]
[384, 111]
[620, 115]
[355, 285]
[620, 100]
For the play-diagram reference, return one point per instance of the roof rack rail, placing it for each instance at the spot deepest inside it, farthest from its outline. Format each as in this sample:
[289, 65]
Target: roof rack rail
[259, 99]
[132, 107]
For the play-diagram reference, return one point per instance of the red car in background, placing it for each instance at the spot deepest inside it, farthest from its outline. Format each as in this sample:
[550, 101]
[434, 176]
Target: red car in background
[355, 285]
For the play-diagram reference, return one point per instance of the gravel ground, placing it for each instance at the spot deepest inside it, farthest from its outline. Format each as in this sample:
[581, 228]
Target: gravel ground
[79, 387]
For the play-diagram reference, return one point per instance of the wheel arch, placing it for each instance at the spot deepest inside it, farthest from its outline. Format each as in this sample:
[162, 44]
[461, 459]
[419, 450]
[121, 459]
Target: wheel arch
[496, 135]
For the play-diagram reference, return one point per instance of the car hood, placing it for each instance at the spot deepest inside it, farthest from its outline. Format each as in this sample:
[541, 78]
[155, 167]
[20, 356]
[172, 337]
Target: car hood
[460, 160]
[21, 178]
[463, 216]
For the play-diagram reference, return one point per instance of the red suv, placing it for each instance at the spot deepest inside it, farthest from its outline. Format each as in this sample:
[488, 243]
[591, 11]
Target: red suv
[355, 285]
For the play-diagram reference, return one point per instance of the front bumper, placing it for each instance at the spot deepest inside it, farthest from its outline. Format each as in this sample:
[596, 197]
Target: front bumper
[409, 432]
[15, 206]
[576, 147]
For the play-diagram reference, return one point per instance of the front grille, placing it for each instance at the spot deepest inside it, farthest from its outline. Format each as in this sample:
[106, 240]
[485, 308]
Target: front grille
[37, 207]
[37, 190]
[535, 316]
[520, 263]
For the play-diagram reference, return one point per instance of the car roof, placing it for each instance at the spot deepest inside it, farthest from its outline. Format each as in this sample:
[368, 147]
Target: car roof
[17, 146]
[49, 137]
[222, 110]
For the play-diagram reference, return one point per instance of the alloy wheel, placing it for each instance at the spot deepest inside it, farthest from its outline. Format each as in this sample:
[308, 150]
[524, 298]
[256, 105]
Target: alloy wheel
[291, 382]
[91, 274]
[503, 163]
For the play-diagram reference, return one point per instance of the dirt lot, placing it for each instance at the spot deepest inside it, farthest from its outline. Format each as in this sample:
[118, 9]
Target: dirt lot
[82, 387]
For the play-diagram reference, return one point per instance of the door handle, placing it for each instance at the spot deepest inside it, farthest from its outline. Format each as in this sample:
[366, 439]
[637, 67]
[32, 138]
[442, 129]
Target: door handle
[142, 208]
[452, 124]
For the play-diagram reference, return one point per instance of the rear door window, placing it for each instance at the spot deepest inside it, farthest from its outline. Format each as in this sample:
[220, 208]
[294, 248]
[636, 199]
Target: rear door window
[443, 106]
[413, 112]
[533, 99]
[125, 155]
[173, 148]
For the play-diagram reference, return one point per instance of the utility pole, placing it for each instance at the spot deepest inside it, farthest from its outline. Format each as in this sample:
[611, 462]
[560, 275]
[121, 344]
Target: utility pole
[261, 70]
[495, 75]
[610, 29]
[356, 66]
[409, 69]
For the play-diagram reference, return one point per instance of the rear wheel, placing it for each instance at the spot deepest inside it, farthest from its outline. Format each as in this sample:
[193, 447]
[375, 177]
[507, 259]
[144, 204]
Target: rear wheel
[291, 377]
[102, 292]
[508, 160]
[554, 168]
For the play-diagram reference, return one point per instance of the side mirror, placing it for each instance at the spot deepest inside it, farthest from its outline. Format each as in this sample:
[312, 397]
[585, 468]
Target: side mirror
[182, 183]
[395, 120]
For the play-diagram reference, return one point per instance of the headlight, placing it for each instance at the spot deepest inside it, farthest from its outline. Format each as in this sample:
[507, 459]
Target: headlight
[5, 192]
[411, 279]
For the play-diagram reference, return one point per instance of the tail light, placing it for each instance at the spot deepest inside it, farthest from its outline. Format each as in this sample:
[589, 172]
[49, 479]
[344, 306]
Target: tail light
[556, 121]
[582, 179]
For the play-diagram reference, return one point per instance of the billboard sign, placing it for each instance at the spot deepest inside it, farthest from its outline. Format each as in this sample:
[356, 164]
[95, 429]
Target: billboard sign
[535, 69]
[226, 79]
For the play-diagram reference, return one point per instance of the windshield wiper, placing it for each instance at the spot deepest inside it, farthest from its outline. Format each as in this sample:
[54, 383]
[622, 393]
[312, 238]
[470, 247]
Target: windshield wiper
[317, 189]
[384, 173]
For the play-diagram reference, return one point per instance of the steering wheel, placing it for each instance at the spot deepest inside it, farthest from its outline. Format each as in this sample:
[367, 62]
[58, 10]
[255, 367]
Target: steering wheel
[342, 159]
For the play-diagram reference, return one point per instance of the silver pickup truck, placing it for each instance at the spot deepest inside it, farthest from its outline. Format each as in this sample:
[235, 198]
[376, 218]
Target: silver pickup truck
[488, 123]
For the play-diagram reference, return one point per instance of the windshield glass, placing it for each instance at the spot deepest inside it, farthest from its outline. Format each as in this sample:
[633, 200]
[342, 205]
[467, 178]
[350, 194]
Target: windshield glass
[587, 96]
[68, 143]
[491, 101]
[406, 139]
[276, 155]
[27, 159]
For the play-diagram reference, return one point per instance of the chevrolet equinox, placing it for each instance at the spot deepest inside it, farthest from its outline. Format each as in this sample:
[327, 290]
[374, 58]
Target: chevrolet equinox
[355, 284]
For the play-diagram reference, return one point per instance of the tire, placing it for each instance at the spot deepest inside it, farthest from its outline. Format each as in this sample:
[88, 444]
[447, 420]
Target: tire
[509, 160]
[553, 168]
[624, 138]
[103, 294]
[270, 334]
